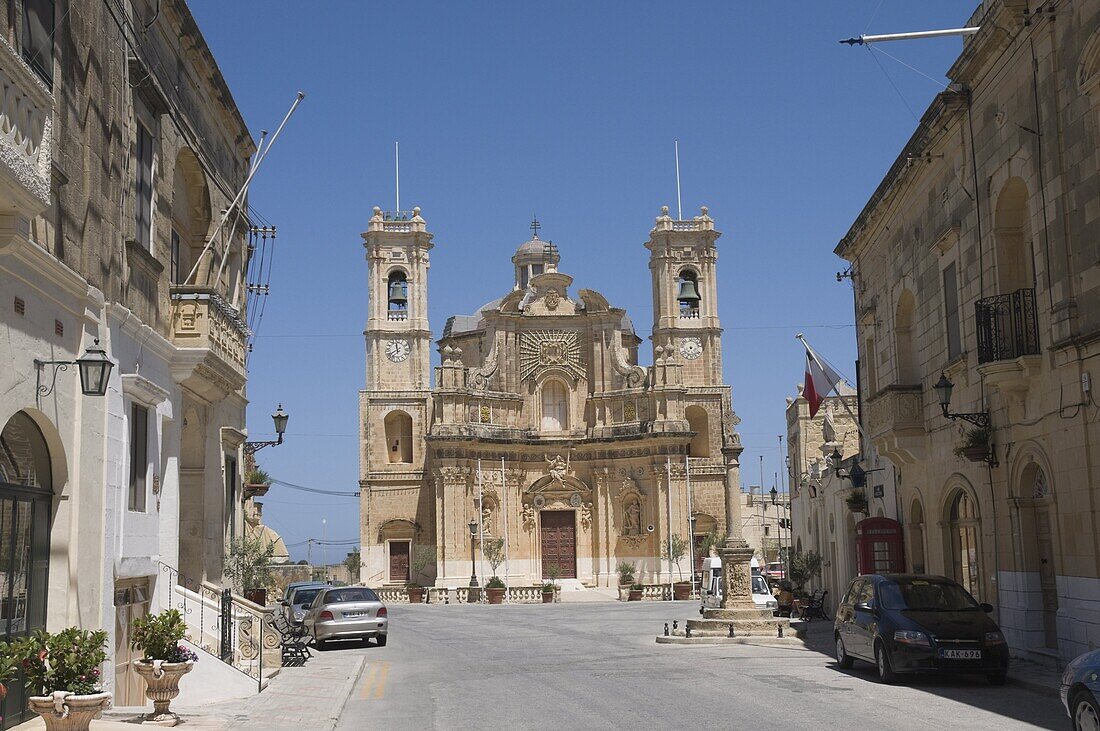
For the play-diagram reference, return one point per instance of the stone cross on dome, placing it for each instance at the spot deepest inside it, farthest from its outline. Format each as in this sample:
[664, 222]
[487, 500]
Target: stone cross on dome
[535, 226]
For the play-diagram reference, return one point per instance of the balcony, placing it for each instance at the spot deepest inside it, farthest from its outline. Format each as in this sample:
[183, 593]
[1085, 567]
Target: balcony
[26, 106]
[1008, 326]
[895, 422]
[1009, 355]
[212, 341]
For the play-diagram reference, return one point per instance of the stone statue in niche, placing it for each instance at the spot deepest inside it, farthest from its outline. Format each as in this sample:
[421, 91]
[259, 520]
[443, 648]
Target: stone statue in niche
[528, 517]
[632, 517]
[487, 519]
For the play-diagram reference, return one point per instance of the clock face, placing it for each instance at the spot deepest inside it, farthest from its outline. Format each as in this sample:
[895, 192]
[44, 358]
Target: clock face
[691, 348]
[398, 350]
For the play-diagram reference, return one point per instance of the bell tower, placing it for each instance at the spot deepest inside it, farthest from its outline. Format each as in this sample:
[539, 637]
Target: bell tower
[398, 338]
[683, 262]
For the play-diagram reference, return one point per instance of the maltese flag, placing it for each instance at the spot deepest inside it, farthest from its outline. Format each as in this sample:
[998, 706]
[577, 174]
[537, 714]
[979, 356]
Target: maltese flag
[820, 379]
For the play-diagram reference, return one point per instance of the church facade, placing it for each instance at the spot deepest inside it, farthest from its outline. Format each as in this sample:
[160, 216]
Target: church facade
[539, 426]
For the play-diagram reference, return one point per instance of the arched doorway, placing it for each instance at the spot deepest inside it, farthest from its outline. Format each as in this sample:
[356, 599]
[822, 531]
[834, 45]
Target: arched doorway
[26, 492]
[1035, 508]
[962, 530]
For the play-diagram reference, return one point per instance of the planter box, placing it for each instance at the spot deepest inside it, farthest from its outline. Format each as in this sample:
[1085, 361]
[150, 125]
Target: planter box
[976, 454]
[65, 711]
[681, 590]
[416, 594]
[634, 595]
[496, 596]
[547, 597]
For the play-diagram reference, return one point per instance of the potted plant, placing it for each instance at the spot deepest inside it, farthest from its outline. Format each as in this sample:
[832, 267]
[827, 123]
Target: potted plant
[626, 579]
[494, 554]
[62, 676]
[857, 501]
[548, 592]
[674, 551]
[248, 566]
[553, 571]
[422, 556]
[257, 478]
[635, 594]
[164, 660]
[976, 444]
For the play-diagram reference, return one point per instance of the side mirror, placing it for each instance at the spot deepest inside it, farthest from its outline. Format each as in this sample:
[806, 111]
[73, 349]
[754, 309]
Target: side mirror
[284, 602]
[864, 607]
[987, 607]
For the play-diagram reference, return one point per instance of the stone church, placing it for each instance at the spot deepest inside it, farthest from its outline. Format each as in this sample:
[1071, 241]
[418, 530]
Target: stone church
[539, 425]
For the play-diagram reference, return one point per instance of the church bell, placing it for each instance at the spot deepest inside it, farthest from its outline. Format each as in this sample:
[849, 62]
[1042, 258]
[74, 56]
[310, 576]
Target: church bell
[397, 292]
[688, 293]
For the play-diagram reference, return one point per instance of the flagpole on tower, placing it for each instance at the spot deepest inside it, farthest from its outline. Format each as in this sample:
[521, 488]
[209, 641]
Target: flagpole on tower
[679, 207]
[820, 373]
[397, 174]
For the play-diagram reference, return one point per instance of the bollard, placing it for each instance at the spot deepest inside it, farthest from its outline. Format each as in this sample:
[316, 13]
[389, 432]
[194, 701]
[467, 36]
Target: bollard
[780, 630]
[666, 629]
[687, 631]
[675, 624]
[731, 630]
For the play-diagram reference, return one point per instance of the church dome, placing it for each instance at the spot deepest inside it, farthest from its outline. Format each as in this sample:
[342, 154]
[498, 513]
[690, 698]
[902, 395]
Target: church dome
[534, 246]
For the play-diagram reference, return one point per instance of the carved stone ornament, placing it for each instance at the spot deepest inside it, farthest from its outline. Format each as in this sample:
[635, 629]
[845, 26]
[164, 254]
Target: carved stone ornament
[529, 515]
[544, 349]
[556, 467]
[630, 411]
[481, 378]
[553, 299]
[539, 501]
[633, 375]
[485, 414]
[586, 514]
[575, 500]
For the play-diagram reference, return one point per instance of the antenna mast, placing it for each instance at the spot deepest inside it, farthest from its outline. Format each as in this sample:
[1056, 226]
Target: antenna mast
[679, 208]
[397, 174]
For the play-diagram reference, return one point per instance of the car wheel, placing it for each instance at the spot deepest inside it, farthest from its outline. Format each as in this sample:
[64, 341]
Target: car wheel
[1086, 713]
[381, 640]
[998, 678]
[318, 643]
[843, 659]
[882, 663]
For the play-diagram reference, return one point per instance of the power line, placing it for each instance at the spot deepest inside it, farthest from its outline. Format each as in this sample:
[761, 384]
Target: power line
[303, 488]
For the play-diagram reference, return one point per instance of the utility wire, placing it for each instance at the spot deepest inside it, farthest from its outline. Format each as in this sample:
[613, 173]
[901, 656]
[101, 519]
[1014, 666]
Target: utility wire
[292, 486]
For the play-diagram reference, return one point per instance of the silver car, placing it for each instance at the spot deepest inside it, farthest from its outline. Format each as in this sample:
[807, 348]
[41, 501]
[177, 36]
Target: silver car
[299, 600]
[347, 612]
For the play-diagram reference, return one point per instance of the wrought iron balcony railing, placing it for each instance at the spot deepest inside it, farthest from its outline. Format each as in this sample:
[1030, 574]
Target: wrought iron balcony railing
[1007, 325]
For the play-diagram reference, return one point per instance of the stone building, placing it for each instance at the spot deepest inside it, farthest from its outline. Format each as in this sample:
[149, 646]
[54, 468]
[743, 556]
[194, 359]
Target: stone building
[978, 258]
[761, 525]
[582, 451]
[823, 521]
[124, 148]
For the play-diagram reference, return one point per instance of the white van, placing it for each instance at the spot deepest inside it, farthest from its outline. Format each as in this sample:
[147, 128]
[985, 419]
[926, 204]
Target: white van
[712, 585]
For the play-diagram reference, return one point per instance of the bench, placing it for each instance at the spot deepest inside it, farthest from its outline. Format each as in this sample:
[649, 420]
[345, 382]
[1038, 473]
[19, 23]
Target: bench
[814, 608]
[292, 641]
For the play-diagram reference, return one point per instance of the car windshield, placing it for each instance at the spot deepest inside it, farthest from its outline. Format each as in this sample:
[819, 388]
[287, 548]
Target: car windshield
[354, 594]
[759, 585]
[305, 596]
[918, 595]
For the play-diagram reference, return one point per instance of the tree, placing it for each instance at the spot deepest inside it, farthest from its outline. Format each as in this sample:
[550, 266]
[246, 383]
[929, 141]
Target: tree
[248, 562]
[674, 552]
[353, 562]
[422, 556]
[493, 551]
[804, 567]
[709, 541]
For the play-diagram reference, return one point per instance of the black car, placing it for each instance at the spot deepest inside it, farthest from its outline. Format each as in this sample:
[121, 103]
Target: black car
[906, 623]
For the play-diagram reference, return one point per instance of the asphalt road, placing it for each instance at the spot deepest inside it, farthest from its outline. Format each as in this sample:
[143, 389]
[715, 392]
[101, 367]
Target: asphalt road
[590, 666]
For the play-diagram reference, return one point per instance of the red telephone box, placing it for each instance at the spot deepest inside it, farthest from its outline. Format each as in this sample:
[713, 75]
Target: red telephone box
[879, 546]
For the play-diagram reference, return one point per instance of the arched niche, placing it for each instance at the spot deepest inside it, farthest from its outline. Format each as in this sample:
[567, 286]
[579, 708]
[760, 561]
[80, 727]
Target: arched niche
[905, 340]
[399, 442]
[1012, 236]
[191, 219]
[553, 405]
[698, 422]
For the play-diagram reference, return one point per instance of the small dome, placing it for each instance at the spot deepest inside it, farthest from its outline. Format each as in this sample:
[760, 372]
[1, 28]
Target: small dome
[534, 246]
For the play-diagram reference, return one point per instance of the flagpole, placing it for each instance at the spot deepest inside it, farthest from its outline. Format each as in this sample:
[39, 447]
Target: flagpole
[843, 401]
[504, 499]
[668, 472]
[481, 520]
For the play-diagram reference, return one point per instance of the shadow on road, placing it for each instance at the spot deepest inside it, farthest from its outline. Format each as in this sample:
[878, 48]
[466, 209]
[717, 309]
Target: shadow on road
[331, 645]
[973, 690]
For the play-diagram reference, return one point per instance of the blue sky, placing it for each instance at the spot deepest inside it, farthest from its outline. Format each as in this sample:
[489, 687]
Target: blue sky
[567, 110]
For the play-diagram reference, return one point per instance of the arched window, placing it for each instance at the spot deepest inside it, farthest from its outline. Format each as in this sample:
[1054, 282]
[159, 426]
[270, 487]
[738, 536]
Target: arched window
[399, 445]
[26, 492]
[687, 294]
[555, 406]
[963, 534]
[905, 341]
[916, 538]
[397, 295]
[1011, 231]
[698, 423]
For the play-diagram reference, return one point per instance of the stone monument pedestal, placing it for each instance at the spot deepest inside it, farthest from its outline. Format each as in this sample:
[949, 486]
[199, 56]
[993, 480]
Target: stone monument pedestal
[738, 620]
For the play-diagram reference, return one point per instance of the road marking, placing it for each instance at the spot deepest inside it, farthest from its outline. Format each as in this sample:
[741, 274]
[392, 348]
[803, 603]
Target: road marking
[375, 683]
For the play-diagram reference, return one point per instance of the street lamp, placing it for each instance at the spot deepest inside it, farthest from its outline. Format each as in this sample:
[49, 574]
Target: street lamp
[943, 388]
[472, 525]
[280, 418]
[94, 366]
[857, 474]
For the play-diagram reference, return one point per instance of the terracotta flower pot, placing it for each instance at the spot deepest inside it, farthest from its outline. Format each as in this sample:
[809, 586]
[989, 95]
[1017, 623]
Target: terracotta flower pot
[548, 597]
[65, 711]
[635, 595]
[681, 590]
[496, 596]
[416, 595]
[162, 684]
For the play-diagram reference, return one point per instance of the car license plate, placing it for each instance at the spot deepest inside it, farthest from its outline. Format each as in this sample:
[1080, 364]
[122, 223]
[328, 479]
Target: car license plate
[961, 654]
[352, 615]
